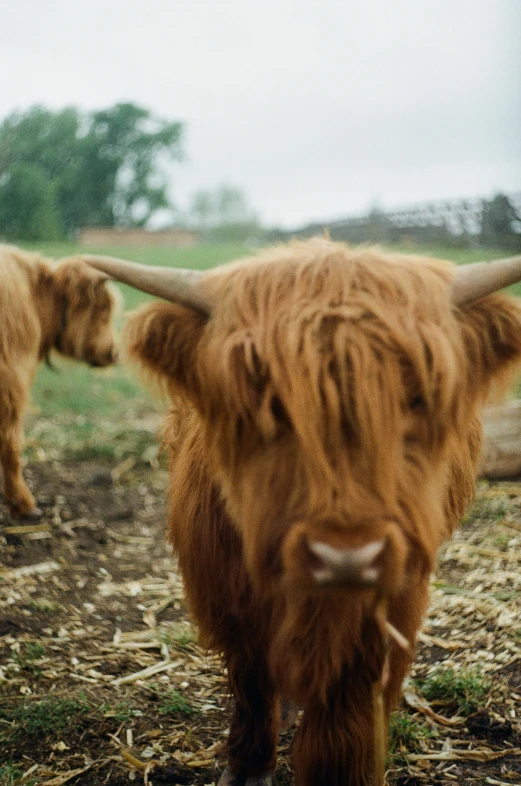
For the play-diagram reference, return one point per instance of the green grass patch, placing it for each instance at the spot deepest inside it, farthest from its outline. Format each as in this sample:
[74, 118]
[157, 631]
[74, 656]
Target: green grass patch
[487, 509]
[28, 656]
[463, 690]
[198, 257]
[45, 605]
[406, 735]
[501, 541]
[82, 390]
[81, 414]
[43, 718]
[32, 650]
[10, 775]
[461, 256]
[178, 635]
[122, 711]
[99, 439]
[174, 703]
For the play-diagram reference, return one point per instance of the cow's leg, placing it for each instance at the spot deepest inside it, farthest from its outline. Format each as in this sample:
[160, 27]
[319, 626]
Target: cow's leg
[252, 741]
[288, 714]
[19, 498]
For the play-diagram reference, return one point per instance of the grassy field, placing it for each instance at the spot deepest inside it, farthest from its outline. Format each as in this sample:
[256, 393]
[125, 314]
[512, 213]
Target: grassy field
[80, 412]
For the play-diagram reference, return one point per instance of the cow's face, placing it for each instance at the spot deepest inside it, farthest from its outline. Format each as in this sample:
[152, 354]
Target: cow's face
[329, 418]
[88, 305]
[337, 405]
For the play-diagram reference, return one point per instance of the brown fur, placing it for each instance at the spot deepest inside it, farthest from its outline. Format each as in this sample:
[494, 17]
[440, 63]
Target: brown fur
[333, 394]
[43, 307]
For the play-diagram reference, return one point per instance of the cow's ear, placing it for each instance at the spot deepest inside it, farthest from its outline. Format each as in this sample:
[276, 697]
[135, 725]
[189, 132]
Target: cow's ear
[491, 330]
[163, 338]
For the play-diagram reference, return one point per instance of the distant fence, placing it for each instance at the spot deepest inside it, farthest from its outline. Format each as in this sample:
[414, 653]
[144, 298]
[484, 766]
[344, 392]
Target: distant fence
[477, 221]
[454, 222]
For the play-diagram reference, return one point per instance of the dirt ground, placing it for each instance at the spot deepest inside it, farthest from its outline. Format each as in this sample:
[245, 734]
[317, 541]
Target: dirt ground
[101, 675]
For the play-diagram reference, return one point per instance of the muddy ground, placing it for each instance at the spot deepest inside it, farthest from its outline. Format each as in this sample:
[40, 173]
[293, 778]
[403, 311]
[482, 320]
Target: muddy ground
[101, 675]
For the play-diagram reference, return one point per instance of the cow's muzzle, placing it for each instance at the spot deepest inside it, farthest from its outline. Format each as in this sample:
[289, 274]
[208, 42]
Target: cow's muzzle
[101, 359]
[323, 555]
[355, 567]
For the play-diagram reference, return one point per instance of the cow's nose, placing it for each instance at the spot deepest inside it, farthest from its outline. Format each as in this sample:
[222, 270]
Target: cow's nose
[101, 359]
[357, 567]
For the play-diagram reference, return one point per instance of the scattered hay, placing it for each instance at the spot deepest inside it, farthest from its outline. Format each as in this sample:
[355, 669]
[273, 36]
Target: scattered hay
[98, 620]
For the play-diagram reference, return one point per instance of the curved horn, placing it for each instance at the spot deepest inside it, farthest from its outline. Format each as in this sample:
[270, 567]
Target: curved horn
[482, 278]
[174, 284]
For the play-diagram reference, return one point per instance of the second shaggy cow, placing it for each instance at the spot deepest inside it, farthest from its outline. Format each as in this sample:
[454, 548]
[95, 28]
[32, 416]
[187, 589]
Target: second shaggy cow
[65, 307]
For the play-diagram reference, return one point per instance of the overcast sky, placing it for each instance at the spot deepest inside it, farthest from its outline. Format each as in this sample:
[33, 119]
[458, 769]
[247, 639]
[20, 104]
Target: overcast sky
[315, 109]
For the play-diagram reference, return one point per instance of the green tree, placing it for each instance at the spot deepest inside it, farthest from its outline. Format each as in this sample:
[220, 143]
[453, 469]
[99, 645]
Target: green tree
[101, 168]
[37, 156]
[202, 209]
[28, 205]
[221, 207]
[133, 145]
[232, 206]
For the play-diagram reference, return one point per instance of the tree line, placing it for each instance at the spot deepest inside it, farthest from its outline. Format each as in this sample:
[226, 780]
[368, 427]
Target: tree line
[63, 170]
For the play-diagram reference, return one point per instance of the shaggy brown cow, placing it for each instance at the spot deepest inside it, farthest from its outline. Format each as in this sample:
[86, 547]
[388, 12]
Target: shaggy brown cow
[67, 307]
[324, 442]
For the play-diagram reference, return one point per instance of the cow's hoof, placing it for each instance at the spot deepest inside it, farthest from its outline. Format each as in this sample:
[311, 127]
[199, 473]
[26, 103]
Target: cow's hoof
[169, 773]
[261, 780]
[32, 515]
[228, 778]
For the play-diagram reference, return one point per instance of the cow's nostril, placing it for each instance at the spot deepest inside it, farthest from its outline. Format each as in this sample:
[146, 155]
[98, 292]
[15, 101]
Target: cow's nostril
[347, 566]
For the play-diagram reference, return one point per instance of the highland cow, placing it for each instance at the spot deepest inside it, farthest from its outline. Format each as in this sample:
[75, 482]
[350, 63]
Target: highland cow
[66, 307]
[324, 441]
